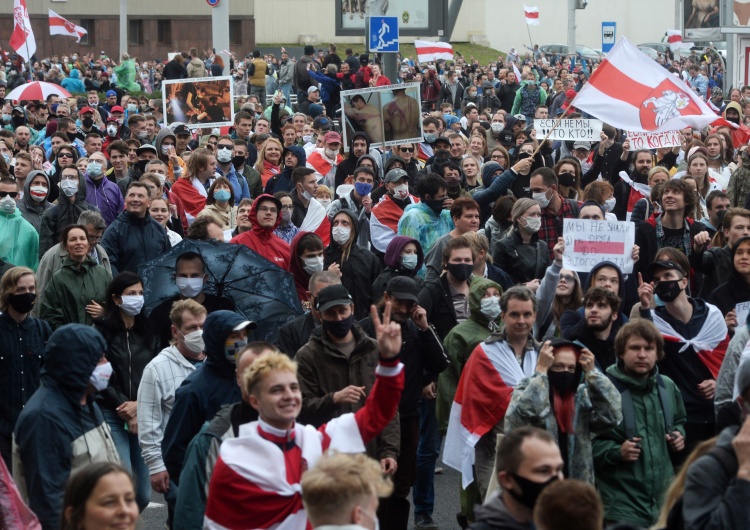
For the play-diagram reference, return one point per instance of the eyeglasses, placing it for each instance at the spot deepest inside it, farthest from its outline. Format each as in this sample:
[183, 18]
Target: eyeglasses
[497, 157]
[13, 194]
[568, 278]
[267, 209]
[288, 208]
[224, 147]
[64, 155]
[93, 239]
[213, 144]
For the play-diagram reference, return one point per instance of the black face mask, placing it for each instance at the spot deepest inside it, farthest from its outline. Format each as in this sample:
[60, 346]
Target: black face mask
[142, 165]
[338, 328]
[564, 383]
[460, 271]
[18, 121]
[522, 156]
[530, 490]
[733, 119]
[238, 161]
[434, 205]
[87, 122]
[567, 179]
[668, 291]
[23, 303]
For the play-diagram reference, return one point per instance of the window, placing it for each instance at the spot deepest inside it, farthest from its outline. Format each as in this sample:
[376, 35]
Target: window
[88, 25]
[235, 32]
[135, 32]
[164, 31]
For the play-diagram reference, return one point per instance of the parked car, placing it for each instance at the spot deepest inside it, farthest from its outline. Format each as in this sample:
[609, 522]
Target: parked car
[660, 47]
[651, 52]
[562, 49]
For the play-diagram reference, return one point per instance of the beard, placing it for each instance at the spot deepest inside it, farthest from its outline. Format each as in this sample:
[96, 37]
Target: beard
[601, 326]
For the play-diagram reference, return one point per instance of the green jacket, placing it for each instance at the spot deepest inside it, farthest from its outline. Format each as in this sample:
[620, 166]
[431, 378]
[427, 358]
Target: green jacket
[458, 345]
[634, 491]
[597, 411]
[71, 289]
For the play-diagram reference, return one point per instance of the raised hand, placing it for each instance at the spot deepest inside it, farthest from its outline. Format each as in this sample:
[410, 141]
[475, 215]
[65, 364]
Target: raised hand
[645, 292]
[388, 333]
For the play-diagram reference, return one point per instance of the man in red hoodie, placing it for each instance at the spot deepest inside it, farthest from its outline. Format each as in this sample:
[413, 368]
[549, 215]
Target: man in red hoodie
[265, 216]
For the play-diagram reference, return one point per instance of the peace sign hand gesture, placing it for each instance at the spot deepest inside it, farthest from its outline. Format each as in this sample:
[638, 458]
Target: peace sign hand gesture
[388, 333]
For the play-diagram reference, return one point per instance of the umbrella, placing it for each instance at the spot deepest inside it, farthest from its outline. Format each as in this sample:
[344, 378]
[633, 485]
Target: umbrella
[261, 291]
[37, 91]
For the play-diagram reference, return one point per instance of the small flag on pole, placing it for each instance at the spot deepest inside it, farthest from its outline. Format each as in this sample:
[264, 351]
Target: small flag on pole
[674, 38]
[61, 26]
[432, 51]
[532, 15]
[22, 40]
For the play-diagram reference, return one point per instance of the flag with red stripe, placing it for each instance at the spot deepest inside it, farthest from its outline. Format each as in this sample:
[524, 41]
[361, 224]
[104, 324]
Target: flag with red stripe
[631, 91]
[22, 39]
[61, 26]
[532, 15]
[482, 397]
[428, 51]
[674, 38]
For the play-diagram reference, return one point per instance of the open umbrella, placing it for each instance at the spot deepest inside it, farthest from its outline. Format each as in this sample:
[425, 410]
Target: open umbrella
[261, 291]
[37, 91]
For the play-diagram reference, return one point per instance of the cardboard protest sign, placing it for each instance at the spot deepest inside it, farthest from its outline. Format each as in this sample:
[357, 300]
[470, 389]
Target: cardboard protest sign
[390, 115]
[640, 140]
[587, 130]
[741, 310]
[200, 102]
[589, 242]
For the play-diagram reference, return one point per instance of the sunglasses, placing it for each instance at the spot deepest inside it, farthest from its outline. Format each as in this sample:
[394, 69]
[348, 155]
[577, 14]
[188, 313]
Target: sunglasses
[569, 278]
[407, 149]
[13, 194]
[64, 155]
[225, 147]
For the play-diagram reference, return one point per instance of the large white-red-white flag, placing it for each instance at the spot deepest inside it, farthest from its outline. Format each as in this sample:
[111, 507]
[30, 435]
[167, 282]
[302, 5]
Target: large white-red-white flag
[62, 26]
[674, 38]
[22, 40]
[532, 15]
[432, 51]
[631, 91]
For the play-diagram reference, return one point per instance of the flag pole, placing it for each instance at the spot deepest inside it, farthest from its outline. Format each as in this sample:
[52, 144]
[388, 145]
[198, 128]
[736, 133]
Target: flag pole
[530, 39]
[554, 126]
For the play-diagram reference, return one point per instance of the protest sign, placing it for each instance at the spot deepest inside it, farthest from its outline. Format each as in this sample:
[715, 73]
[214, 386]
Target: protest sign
[587, 130]
[589, 242]
[741, 310]
[390, 115]
[200, 102]
[640, 140]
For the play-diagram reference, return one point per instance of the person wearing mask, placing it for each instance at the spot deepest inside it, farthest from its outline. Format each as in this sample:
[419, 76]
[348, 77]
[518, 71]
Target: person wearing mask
[102, 192]
[19, 240]
[292, 157]
[134, 237]
[325, 161]
[554, 208]
[23, 341]
[465, 216]
[309, 214]
[205, 391]
[266, 212]
[76, 292]
[34, 202]
[286, 230]
[571, 399]
[161, 378]
[403, 257]
[62, 429]
[131, 345]
[306, 259]
[633, 461]
[358, 266]
[165, 151]
[358, 201]
[220, 204]
[521, 252]
[386, 214]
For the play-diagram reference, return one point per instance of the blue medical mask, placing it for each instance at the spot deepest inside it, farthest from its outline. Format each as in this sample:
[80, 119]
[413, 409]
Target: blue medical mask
[94, 169]
[363, 188]
[222, 195]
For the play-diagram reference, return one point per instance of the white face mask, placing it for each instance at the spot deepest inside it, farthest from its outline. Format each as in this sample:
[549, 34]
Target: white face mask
[306, 195]
[497, 127]
[490, 307]
[99, 378]
[409, 261]
[194, 341]
[162, 179]
[111, 130]
[38, 193]
[224, 155]
[132, 304]
[541, 199]
[341, 234]
[331, 153]
[189, 287]
[609, 204]
[165, 149]
[325, 202]
[307, 138]
[401, 191]
[533, 224]
[69, 187]
[8, 204]
[313, 265]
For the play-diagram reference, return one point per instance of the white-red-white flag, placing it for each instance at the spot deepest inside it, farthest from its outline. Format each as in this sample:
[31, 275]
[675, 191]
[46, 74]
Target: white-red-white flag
[62, 26]
[22, 40]
[674, 38]
[432, 51]
[532, 15]
[631, 91]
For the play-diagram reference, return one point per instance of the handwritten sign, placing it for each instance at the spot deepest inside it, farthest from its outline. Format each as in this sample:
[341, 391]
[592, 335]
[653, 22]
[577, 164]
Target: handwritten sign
[654, 140]
[586, 130]
[589, 242]
[741, 310]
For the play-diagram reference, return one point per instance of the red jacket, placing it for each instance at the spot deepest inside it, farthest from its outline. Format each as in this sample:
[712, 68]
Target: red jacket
[263, 241]
[192, 200]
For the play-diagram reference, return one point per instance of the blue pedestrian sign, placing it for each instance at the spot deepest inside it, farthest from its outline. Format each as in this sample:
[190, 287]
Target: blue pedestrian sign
[382, 34]
[609, 33]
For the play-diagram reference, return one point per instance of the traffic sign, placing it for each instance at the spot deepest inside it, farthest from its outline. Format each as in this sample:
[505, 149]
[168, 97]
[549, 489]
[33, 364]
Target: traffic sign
[213, 3]
[609, 33]
[382, 34]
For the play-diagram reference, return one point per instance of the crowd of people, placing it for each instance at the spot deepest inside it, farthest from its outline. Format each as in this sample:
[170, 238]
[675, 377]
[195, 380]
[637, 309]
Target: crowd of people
[437, 304]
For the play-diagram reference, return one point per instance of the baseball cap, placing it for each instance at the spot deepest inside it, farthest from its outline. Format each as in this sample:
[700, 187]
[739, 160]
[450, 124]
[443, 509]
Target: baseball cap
[144, 148]
[570, 93]
[181, 129]
[582, 145]
[559, 343]
[111, 93]
[117, 108]
[520, 117]
[667, 264]
[19, 109]
[84, 110]
[395, 174]
[403, 288]
[442, 139]
[312, 89]
[332, 137]
[321, 122]
[332, 296]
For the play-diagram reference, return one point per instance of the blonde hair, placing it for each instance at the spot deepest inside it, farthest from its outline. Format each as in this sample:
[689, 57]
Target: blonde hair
[338, 483]
[263, 366]
[479, 243]
[260, 164]
[9, 281]
[179, 308]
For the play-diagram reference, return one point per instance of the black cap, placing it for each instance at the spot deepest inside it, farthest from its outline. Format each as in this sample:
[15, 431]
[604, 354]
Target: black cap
[332, 296]
[559, 343]
[364, 58]
[442, 139]
[181, 129]
[321, 122]
[309, 50]
[664, 265]
[403, 288]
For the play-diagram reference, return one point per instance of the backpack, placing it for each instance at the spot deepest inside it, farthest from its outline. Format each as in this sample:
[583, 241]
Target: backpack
[628, 410]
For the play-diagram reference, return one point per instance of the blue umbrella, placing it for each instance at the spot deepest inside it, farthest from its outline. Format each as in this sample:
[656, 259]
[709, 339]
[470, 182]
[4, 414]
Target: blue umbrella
[261, 291]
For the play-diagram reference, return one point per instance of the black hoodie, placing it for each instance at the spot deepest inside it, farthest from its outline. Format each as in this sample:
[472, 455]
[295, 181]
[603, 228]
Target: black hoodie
[734, 291]
[347, 167]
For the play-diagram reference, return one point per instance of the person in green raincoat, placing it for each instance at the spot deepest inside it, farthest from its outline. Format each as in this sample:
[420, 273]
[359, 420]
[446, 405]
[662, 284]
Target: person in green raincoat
[126, 74]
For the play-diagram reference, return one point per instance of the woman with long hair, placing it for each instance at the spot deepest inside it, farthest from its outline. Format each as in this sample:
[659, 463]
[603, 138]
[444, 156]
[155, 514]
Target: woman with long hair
[568, 171]
[269, 160]
[131, 345]
[478, 146]
[500, 155]
[190, 188]
[219, 204]
[521, 253]
[159, 210]
[567, 296]
[602, 193]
